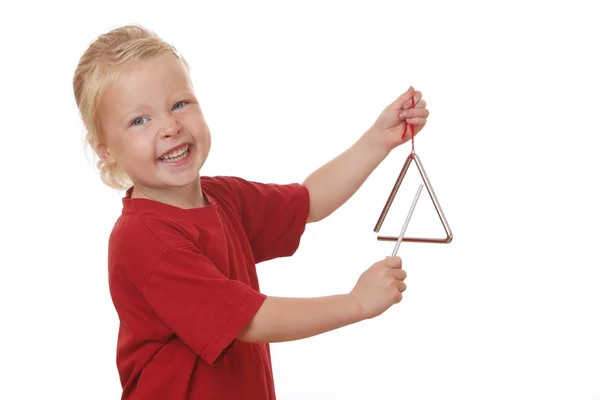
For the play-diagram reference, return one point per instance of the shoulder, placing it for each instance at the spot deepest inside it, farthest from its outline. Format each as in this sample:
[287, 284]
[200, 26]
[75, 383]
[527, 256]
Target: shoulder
[223, 186]
[228, 191]
[236, 188]
[148, 231]
[138, 242]
[247, 196]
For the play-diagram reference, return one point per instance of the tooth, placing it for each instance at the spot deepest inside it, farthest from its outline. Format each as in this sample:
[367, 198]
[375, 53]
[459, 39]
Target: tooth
[177, 155]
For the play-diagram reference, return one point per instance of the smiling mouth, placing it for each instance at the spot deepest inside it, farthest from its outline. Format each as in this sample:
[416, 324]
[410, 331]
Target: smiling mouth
[177, 155]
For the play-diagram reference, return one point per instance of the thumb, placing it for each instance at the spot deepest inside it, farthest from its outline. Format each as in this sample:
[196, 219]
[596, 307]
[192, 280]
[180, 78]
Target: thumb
[394, 261]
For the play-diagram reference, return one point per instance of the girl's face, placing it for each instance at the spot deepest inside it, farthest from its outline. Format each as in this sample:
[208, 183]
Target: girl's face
[153, 125]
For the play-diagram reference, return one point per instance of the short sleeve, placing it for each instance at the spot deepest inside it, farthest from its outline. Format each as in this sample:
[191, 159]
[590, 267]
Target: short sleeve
[274, 216]
[205, 309]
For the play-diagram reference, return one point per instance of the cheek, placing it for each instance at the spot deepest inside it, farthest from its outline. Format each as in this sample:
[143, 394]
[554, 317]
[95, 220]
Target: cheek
[196, 125]
[138, 149]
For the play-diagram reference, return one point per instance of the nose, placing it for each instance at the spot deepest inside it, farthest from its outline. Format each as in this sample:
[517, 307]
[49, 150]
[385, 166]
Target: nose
[170, 127]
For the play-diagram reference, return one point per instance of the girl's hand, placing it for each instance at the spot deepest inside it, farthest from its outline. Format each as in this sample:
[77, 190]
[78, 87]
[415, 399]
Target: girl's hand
[392, 122]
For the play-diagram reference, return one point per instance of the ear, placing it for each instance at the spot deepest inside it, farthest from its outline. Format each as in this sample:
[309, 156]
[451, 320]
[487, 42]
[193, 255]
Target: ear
[105, 154]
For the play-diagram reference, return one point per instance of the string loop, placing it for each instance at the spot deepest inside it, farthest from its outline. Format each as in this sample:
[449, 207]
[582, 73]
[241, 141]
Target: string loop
[412, 129]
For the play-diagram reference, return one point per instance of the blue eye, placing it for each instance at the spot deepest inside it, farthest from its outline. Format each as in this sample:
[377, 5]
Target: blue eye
[138, 121]
[179, 104]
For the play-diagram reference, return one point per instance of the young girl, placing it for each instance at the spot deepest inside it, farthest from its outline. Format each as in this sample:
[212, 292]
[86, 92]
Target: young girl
[182, 254]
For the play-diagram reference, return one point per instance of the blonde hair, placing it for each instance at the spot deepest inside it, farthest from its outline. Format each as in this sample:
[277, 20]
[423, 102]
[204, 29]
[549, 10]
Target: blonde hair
[99, 67]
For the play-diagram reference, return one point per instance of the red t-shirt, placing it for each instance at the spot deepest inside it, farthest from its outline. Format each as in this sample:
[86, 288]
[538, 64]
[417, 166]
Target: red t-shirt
[184, 284]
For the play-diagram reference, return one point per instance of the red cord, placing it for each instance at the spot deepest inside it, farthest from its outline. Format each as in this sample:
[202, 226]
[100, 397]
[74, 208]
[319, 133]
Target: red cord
[412, 129]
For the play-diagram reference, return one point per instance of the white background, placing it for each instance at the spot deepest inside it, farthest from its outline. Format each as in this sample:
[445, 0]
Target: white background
[508, 310]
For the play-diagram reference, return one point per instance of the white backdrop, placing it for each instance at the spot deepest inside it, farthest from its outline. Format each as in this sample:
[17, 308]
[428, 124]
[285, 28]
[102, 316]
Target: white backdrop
[509, 309]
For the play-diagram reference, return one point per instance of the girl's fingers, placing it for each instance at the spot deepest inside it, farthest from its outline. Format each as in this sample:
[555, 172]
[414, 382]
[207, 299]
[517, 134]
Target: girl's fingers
[414, 113]
[402, 99]
[416, 121]
[408, 103]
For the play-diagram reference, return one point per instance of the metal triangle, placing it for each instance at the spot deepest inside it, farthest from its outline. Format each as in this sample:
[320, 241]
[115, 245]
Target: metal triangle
[413, 157]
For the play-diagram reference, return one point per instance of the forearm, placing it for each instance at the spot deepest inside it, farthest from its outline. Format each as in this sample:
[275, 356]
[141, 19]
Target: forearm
[283, 319]
[334, 183]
